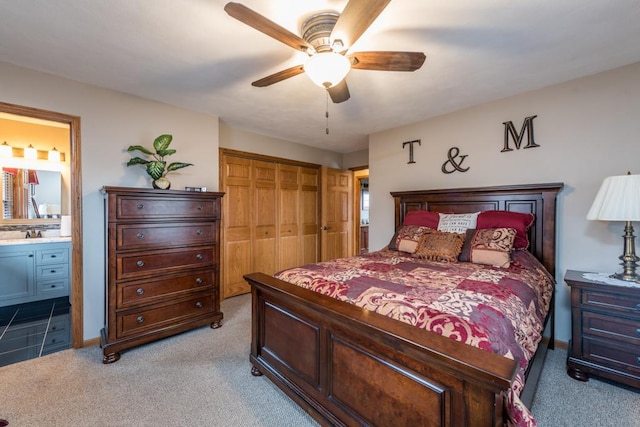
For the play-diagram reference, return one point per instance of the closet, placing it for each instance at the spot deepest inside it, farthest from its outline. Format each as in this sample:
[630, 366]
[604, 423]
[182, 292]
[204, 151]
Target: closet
[270, 216]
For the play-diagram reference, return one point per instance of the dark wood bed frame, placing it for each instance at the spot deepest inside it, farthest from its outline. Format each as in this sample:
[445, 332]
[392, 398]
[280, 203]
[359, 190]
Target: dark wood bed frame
[348, 366]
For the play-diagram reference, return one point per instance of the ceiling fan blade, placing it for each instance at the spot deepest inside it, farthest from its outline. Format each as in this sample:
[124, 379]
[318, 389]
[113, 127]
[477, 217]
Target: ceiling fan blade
[387, 61]
[279, 76]
[265, 26]
[340, 92]
[356, 17]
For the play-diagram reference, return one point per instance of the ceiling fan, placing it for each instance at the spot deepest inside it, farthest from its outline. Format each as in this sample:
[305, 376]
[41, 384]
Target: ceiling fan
[326, 38]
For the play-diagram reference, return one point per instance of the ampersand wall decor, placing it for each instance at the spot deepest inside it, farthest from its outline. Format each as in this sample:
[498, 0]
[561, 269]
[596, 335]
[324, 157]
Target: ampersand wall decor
[455, 161]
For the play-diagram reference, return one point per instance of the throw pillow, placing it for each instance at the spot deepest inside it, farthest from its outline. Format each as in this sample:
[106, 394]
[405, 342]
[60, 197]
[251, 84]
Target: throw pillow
[440, 246]
[457, 223]
[492, 246]
[406, 238]
[521, 222]
[423, 218]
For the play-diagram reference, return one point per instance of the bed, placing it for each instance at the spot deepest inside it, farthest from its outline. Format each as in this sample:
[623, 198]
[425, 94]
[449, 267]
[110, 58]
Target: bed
[346, 365]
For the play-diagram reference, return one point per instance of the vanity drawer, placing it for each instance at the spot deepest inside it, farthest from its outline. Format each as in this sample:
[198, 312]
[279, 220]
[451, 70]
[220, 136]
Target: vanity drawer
[133, 322]
[52, 272]
[148, 291]
[53, 288]
[135, 207]
[52, 256]
[136, 236]
[149, 263]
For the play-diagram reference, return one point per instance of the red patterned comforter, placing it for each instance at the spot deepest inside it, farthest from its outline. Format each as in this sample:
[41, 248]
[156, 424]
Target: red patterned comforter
[497, 310]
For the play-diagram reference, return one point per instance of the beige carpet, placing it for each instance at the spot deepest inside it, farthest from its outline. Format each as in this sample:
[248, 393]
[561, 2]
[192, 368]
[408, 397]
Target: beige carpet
[202, 378]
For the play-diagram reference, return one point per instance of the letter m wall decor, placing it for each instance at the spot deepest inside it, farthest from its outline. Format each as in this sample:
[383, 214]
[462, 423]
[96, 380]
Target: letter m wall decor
[527, 127]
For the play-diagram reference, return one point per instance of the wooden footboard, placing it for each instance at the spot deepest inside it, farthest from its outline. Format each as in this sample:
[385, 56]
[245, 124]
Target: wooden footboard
[349, 366]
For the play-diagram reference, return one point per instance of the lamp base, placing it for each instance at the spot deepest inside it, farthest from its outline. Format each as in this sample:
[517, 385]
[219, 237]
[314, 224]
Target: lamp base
[626, 277]
[629, 259]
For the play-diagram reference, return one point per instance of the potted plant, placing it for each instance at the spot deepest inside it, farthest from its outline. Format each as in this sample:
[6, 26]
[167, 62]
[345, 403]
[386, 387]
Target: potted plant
[157, 167]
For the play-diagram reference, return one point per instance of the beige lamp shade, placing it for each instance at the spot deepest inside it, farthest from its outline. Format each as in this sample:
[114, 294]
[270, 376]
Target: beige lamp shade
[617, 200]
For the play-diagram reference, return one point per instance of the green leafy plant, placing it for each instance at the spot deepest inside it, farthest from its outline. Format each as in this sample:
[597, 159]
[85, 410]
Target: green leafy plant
[157, 167]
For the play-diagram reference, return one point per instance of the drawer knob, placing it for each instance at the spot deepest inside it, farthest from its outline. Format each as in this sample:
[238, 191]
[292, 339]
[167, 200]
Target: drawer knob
[638, 307]
[199, 256]
[53, 286]
[52, 271]
[140, 206]
[200, 207]
[53, 256]
[140, 291]
[140, 263]
[140, 235]
[199, 282]
[53, 328]
[140, 319]
[199, 305]
[199, 232]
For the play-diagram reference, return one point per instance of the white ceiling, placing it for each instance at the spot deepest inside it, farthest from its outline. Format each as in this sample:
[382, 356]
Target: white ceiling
[190, 53]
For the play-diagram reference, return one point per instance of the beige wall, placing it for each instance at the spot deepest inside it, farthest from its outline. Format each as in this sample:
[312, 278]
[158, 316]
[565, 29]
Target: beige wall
[587, 129]
[236, 139]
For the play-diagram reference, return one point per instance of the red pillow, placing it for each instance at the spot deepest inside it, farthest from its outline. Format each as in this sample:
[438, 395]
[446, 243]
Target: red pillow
[505, 219]
[422, 218]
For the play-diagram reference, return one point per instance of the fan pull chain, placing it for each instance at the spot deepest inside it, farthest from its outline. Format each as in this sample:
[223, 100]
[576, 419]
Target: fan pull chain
[326, 114]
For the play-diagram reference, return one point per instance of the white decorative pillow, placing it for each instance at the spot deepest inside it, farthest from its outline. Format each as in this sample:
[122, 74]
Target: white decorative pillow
[457, 223]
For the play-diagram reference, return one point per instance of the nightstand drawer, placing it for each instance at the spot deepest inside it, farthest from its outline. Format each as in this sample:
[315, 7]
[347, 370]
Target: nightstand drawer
[615, 328]
[612, 301]
[612, 355]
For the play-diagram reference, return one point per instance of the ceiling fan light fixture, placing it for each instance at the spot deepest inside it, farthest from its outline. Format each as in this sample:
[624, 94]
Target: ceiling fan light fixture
[327, 69]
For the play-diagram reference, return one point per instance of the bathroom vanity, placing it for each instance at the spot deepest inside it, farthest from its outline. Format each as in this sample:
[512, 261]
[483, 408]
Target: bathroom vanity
[34, 269]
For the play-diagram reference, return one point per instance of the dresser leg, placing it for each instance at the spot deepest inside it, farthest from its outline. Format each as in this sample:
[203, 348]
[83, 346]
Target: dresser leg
[216, 324]
[577, 374]
[110, 358]
[255, 371]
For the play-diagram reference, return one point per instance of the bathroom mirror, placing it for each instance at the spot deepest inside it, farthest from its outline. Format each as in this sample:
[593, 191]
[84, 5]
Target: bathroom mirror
[31, 194]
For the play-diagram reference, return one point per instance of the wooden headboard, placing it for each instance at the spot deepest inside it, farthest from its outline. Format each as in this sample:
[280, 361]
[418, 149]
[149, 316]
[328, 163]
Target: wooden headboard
[538, 199]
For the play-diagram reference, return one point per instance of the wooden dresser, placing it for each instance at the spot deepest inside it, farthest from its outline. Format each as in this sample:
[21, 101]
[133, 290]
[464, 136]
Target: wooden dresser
[605, 330]
[162, 266]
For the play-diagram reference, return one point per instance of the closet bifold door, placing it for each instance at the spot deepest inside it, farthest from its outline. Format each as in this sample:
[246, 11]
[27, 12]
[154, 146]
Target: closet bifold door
[271, 216]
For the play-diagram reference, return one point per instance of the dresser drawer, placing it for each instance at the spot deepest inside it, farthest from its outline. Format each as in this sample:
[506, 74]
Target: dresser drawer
[149, 291]
[133, 207]
[621, 357]
[133, 322]
[135, 236]
[611, 302]
[149, 263]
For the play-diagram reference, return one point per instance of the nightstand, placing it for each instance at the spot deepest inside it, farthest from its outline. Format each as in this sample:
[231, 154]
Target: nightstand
[605, 330]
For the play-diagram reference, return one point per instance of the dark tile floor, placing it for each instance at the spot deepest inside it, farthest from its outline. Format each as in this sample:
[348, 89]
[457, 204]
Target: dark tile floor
[33, 330]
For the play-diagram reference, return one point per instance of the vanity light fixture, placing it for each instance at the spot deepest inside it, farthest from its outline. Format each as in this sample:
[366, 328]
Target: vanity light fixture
[6, 150]
[30, 153]
[54, 155]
